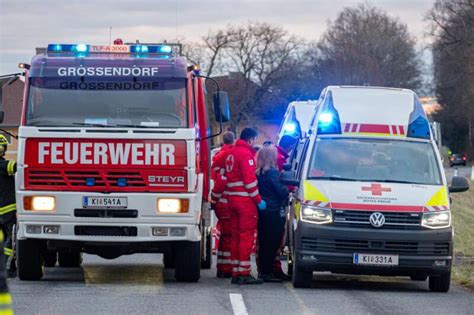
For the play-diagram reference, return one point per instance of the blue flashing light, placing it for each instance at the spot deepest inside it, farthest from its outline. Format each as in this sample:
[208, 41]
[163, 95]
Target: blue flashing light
[418, 126]
[90, 181]
[325, 118]
[290, 128]
[82, 48]
[57, 47]
[166, 49]
[139, 49]
[328, 119]
[121, 182]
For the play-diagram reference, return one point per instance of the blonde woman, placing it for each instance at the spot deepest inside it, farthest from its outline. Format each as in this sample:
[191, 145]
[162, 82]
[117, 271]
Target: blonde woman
[271, 221]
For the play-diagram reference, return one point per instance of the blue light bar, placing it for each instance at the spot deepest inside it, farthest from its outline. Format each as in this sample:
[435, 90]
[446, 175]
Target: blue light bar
[151, 49]
[76, 48]
[418, 126]
[328, 118]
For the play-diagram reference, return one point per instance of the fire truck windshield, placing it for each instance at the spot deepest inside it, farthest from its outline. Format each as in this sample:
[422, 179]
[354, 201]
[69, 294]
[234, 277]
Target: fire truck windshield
[157, 102]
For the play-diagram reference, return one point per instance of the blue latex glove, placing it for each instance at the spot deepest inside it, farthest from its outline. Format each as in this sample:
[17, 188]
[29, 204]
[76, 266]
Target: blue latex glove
[262, 205]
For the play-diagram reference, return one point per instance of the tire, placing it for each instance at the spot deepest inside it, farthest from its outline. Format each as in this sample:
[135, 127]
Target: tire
[440, 283]
[169, 259]
[419, 277]
[50, 258]
[187, 261]
[29, 259]
[70, 259]
[207, 263]
[301, 278]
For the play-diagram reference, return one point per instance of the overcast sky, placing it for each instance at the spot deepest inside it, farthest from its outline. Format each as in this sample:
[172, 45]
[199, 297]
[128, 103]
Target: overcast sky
[26, 24]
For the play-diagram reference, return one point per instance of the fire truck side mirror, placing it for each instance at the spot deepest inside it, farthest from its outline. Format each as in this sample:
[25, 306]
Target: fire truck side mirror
[2, 115]
[221, 106]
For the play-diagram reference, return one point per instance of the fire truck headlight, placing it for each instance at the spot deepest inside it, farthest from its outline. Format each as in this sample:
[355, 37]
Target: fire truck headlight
[436, 220]
[39, 203]
[172, 205]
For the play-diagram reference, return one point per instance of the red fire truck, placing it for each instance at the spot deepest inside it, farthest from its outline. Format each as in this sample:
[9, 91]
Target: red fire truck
[113, 158]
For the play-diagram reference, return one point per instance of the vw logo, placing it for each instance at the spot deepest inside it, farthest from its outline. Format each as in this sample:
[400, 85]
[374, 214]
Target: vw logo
[377, 219]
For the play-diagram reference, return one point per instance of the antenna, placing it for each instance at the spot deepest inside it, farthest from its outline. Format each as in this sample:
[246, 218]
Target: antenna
[176, 20]
[110, 35]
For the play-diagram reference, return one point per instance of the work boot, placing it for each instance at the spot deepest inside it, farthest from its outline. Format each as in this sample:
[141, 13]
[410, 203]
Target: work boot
[268, 277]
[235, 280]
[249, 280]
[282, 276]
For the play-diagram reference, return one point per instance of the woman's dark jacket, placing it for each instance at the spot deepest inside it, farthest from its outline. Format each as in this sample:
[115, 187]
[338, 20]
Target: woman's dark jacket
[272, 190]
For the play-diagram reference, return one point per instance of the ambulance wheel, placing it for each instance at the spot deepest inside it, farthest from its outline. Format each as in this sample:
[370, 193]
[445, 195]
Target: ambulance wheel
[169, 259]
[29, 259]
[50, 258]
[70, 259]
[440, 283]
[207, 262]
[301, 278]
[187, 261]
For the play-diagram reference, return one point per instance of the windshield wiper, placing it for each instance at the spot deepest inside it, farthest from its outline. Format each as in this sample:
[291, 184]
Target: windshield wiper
[135, 126]
[335, 178]
[90, 124]
[395, 181]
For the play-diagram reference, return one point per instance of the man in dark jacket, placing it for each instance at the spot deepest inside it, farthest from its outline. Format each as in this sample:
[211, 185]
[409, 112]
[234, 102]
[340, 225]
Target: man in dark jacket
[7, 203]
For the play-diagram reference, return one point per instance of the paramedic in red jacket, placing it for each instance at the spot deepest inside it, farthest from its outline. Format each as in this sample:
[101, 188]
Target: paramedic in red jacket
[219, 204]
[242, 194]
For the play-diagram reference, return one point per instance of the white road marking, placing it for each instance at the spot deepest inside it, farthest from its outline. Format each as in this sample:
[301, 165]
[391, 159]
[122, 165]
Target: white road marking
[238, 305]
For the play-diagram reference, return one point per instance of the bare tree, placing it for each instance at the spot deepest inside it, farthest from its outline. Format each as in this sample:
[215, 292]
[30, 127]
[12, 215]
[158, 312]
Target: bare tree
[365, 45]
[453, 50]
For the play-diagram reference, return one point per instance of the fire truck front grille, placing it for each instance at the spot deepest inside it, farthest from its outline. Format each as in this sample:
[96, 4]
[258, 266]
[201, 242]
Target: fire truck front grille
[85, 230]
[366, 246]
[86, 180]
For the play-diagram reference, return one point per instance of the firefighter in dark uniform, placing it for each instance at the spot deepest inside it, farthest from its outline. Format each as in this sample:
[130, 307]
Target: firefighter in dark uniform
[5, 298]
[7, 205]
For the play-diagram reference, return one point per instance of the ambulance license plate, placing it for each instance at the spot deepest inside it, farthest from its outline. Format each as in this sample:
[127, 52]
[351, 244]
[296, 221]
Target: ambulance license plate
[104, 202]
[375, 260]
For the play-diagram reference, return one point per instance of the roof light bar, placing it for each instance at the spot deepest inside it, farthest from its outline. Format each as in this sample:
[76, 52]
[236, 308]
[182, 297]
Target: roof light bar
[328, 118]
[418, 125]
[164, 50]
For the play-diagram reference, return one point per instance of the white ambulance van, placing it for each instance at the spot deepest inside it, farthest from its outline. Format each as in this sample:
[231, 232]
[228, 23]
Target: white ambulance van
[373, 196]
[297, 119]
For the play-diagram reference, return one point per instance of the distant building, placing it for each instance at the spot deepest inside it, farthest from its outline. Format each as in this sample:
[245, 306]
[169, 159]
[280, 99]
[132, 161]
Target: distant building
[12, 100]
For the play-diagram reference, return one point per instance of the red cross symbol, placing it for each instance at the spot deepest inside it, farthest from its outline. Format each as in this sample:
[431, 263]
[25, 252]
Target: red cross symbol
[376, 189]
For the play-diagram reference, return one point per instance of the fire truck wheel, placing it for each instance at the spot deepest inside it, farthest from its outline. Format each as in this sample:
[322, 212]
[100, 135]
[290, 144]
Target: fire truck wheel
[187, 261]
[50, 258]
[29, 260]
[207, 262]
[301, 278]
[440, 283]
[70, 259]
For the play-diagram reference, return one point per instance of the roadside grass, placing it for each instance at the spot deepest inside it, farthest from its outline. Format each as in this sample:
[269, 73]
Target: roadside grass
[462, 207]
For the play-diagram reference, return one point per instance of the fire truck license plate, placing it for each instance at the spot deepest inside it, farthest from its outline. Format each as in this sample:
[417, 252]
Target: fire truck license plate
[375, 260]
[104, 202]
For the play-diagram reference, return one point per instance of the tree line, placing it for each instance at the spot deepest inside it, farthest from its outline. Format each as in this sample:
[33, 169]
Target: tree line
[453, 53]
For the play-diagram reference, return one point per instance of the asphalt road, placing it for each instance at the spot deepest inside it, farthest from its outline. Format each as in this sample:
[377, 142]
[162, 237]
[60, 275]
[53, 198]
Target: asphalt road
[138, 284]
[466, 171]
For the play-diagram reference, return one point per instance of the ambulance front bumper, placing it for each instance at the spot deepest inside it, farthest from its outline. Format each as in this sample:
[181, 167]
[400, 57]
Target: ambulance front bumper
[68, 222]
[331, 248]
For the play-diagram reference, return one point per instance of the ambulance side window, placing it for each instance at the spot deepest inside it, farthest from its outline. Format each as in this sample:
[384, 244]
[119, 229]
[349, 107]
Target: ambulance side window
[299, 159]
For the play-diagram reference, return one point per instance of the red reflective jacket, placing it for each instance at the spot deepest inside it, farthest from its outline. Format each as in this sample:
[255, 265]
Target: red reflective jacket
[218, 172]
[282, 157]
[240, 172]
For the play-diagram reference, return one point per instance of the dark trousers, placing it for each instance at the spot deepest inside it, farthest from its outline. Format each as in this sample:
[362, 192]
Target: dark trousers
[270, 229]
